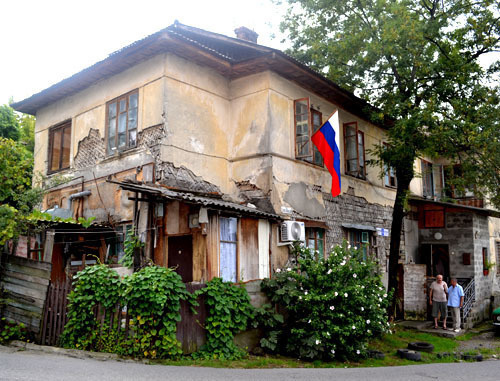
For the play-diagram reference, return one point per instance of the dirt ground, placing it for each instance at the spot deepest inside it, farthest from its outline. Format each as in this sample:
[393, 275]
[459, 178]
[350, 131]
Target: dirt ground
[485, 340]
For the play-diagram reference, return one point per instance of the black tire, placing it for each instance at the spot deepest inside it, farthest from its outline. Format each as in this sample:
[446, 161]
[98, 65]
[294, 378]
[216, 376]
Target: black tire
[376, 355]
[421, 346]
[477, 357]
[409, 354]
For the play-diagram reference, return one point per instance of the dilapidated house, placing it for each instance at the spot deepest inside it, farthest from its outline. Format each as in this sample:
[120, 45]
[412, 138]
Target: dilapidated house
[201, 142]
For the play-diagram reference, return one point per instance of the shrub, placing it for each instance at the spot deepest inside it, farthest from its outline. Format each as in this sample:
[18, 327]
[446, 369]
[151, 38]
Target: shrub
[229, 312]
[153, 297]
[11, 331]
[332, 306]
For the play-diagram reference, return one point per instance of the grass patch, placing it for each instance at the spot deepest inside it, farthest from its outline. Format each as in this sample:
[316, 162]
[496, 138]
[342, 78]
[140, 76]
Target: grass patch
[388, 344]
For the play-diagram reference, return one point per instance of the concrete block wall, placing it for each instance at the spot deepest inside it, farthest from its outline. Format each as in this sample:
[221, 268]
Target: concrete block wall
[415, 292]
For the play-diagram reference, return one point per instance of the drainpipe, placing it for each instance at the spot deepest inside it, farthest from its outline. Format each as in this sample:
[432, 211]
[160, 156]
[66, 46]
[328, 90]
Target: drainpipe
[77, 195]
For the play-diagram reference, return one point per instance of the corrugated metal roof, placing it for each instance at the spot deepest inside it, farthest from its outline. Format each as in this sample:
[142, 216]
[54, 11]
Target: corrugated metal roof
[210, 202]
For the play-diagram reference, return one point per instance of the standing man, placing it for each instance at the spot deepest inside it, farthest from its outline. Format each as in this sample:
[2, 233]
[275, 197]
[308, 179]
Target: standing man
[437, 299]
[455, 302]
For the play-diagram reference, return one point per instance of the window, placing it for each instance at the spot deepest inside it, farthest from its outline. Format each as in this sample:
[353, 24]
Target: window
[116, 244]
[316, 240]
[354, 147]
[389, 175]
[59, 147]
[359, 239]
[485, 259]
[122, 123]
[432, 180]
[307, 122]
[228, 246]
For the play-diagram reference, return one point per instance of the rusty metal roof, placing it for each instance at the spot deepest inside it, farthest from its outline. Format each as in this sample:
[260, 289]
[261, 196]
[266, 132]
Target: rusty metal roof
[230, 56]
[215, 202]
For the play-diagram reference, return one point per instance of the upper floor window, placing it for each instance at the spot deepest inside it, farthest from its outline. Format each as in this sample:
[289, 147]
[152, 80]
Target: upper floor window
[59, 147]
[307, 122]
[389, 174]
[122, 123]
[432, 179]
[354, 148]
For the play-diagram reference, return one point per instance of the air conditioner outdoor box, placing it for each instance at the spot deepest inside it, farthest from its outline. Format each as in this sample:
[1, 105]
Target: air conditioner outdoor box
[293, 231]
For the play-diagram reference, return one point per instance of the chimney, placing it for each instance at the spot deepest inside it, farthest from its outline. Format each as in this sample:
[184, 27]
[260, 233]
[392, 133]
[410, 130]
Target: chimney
[243, 33]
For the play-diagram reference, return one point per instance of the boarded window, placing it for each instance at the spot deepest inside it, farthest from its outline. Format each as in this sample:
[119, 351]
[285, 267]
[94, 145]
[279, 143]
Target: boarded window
[228, 247]
[122, 123]
[249, 249]
[354, 150]
[307, 122]
[59, 147]
[434, 218]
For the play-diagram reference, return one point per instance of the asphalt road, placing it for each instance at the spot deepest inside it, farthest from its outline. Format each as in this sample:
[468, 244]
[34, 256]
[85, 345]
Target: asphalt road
[32, 365]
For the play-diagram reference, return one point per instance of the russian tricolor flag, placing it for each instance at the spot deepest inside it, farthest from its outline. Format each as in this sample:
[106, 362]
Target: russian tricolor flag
[327, 141]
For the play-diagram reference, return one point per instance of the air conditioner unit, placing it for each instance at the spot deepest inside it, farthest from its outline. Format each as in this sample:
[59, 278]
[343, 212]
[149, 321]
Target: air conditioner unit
[293, 231]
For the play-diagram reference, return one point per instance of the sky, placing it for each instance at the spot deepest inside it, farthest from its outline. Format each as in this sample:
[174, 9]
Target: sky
[45, 41]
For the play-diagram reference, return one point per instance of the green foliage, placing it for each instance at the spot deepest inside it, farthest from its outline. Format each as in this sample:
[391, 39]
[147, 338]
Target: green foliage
[332, 306]
[152, 296]
[229, 312]
[27, 131]
[271, 323]
[94, 285]
[9, 124]
[11, 331]
[131, 244]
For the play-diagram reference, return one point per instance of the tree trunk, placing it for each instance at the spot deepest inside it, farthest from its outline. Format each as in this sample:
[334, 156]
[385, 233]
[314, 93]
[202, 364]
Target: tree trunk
[398, 215]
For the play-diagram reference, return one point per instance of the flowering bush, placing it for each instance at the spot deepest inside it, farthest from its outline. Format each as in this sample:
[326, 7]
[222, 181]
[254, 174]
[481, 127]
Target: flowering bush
[332, 306]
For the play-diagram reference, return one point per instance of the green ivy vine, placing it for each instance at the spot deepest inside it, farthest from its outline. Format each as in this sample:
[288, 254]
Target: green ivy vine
[229, 312]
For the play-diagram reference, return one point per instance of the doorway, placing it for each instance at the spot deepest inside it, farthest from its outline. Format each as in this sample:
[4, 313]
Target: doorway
[180, 256]
[437, 260]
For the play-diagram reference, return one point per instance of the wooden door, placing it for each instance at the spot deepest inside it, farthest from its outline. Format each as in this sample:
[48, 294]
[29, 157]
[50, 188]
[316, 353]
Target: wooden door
[180, 256]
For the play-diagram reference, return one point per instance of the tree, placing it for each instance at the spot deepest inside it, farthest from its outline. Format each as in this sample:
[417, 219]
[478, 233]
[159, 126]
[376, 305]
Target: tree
[417, 61]
[9, 125]
[17, 197]
[27, 131]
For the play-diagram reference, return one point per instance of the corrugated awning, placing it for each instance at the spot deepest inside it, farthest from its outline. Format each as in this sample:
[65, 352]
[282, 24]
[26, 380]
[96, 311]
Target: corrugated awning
[359, 227]
[188, 197]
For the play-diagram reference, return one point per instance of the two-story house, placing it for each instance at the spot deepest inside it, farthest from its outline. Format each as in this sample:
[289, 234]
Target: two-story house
[201, 143]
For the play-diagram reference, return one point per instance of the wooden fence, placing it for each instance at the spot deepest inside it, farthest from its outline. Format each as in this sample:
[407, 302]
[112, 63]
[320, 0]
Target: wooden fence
[24, 283]
[55, 314]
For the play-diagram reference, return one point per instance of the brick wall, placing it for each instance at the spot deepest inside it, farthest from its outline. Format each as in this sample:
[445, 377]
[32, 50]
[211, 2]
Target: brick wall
[415, 296]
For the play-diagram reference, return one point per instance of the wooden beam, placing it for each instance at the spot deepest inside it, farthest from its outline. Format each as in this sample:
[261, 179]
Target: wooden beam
[49, 245]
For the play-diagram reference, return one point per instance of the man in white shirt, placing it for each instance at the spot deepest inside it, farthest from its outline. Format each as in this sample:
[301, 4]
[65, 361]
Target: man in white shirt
[437, 299]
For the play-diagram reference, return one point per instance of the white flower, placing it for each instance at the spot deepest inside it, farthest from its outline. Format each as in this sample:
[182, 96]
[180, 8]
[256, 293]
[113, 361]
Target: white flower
[362, 308]
[385, 295]
[278, 270]
[380, 299]
[354, 276]
[332, 307]
[348, 246]
[305, 293]
[300, 297]
[309, 321]
[358, 352]
[288, 269]
[363, 287]
[342, 263]
[336, 293]
[328, 334]
[353, 327]
[329, 271]
[378, 305]
[369, 331]
[387, 323]
[318, 342]
[368, 321]
[380, 288]
[345, 294]
[333, 351]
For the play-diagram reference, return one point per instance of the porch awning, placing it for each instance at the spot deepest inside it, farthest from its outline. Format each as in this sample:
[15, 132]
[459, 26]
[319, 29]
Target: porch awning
[358, 227]
[192, 198]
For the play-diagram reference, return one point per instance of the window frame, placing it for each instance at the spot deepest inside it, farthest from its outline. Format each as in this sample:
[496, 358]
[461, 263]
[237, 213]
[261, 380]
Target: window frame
[117, 100]
[316, 239]
[359, 244]
[312, 151]
[390, 178]
[236, 245]
[52, 130]
[358, 134]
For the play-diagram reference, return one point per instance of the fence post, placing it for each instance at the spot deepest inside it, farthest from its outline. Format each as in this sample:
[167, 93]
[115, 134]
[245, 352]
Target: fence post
[49, 245]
